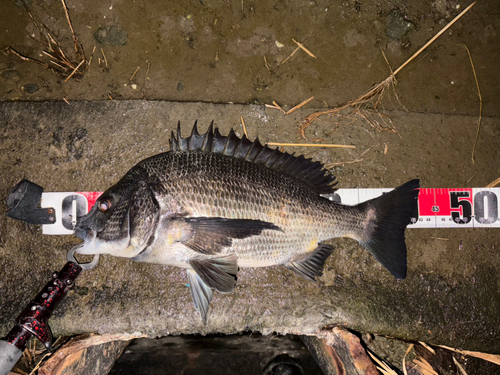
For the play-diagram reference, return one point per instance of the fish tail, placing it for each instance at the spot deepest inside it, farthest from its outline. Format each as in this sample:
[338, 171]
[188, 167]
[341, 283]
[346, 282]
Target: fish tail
[384, 233]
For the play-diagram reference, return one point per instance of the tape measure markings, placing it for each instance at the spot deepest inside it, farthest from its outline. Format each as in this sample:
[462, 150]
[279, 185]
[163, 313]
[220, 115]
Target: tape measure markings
[437, 208]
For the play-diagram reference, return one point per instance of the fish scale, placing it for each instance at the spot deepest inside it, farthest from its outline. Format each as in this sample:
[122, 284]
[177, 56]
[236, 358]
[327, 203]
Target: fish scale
[236, 191]
[215, 203]
[274, 197]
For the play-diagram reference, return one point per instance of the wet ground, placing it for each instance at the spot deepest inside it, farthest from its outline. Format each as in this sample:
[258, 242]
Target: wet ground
[235, 51]
[231, 51]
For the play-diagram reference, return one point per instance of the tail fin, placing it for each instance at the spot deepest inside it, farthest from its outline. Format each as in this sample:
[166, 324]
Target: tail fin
[385, 235]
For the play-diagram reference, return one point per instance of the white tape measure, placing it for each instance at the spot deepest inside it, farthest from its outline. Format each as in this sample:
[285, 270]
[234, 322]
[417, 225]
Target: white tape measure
[437, 208]
[443, 208]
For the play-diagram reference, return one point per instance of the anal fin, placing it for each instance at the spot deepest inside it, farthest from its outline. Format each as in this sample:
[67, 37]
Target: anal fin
[312, 266]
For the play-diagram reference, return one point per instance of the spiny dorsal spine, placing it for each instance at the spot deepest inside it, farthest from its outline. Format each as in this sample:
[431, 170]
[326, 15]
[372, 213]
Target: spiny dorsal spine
[305, 170]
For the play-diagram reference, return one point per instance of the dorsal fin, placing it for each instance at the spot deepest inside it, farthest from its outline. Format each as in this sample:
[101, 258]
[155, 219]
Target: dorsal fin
[311, 173]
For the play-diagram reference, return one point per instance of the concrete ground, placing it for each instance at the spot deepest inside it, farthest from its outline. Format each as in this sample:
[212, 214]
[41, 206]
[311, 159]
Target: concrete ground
[450, 296]
[195, 57]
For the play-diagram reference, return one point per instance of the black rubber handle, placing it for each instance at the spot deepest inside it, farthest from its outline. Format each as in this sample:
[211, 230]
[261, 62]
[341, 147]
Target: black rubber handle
[24, 202]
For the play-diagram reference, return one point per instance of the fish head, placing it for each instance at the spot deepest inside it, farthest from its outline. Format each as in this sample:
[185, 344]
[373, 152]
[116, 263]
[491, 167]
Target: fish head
[122, 221]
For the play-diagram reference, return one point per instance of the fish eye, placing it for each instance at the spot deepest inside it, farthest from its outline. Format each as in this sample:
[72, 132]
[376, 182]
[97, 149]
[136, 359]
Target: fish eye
[105, 204]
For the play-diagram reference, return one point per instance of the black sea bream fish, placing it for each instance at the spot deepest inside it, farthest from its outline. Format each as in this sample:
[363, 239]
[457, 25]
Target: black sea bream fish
[214, 203]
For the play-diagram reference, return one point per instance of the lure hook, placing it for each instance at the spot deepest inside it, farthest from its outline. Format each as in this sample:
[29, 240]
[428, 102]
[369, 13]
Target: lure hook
[85, 266]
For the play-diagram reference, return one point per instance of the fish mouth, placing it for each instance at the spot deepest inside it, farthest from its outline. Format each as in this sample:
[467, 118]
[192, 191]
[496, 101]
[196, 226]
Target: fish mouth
[88, 246]
[95, 241]
[84, 233]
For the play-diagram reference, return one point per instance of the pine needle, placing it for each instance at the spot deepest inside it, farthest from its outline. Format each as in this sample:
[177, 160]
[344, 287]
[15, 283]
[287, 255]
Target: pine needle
[74, 70]
[59, 63]
[480, 104]
[434, 37]
[331, 165]
[135, 72]
[293, 53]
[304, 48]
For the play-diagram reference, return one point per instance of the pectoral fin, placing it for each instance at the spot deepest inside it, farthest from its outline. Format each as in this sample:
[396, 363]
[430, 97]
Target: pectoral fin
[209, 235]
[218, 273]
[312, 266]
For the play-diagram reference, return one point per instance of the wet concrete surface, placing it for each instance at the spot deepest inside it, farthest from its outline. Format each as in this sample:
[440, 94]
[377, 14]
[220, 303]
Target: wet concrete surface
[223, 52]
[450, 297]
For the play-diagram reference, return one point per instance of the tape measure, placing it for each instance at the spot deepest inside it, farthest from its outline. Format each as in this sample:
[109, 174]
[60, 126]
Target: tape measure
[443, 208]
[437, 208]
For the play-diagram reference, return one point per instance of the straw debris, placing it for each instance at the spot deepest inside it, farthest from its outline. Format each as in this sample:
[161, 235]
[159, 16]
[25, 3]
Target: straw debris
[309, 145]
[424, 366]
[410, 347]
[493, 358]
[300, 105]
[244, 127]
[372, 98]
[493, 183]
[382, 365]
[300, 47]
[59, 62]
